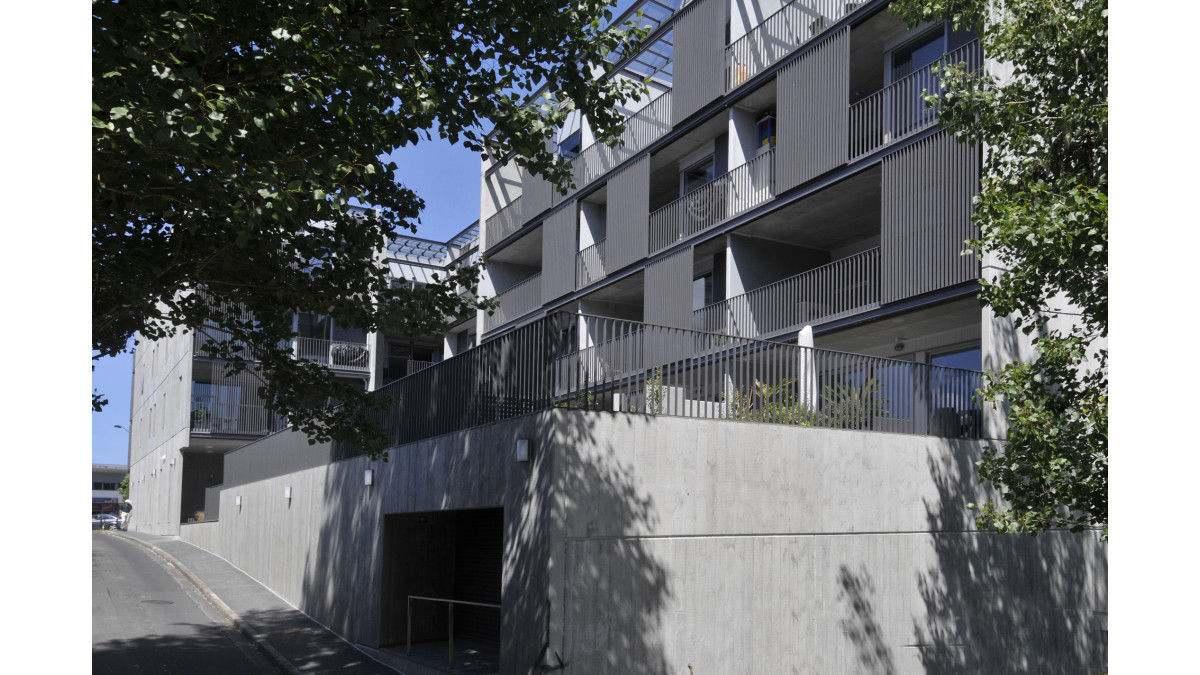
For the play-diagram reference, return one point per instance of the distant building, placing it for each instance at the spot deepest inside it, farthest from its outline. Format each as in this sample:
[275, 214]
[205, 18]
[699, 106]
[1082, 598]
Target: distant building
[105, 479]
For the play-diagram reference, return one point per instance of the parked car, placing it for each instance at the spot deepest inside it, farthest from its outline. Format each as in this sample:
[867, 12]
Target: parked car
[105, 521]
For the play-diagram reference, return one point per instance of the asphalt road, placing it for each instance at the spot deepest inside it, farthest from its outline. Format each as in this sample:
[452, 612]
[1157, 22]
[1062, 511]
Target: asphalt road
[147, 618]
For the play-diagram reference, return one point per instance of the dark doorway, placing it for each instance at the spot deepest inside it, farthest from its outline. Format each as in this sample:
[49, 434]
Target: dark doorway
[448, 555]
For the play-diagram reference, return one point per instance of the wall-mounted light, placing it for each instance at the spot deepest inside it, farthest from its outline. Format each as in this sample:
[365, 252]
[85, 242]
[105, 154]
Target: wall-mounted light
[369, 477]
[237, 501]
[172, 462]
[163, 458]
[287, 492]
[899, 345]
[522, 449]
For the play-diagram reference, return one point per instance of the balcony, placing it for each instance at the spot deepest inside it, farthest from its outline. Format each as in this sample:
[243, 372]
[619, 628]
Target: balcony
[347, 356]
[713, 203]
[231, 407]
[839, 289]
[589, 265]
[515, 302]
[898, 111]
[503, 223]
[638, 368]
[779, 35]
[641, 129]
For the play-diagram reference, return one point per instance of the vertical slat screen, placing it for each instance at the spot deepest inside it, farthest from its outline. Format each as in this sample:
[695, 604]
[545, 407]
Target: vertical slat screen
[668, 291]
[926, 210]
[814, 97]
[699, 75]
[536, 193]
[628, 214]
[558, 252]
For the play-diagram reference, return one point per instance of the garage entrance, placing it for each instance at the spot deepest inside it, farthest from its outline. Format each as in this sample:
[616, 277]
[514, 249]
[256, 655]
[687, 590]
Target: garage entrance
[434, 558]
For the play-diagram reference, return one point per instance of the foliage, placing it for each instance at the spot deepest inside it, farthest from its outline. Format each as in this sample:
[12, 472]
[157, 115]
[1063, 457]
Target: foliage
[230, 141]
[654, 393]
[123, 487]
[767, 403]
[853, 406]
[1043, 215]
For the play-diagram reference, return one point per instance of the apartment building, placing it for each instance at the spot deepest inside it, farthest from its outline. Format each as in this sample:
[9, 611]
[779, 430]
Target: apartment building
[188, 410]
[722, 419]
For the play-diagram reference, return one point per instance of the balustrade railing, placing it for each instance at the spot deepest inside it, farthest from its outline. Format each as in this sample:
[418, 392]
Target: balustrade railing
[714, 202]
[641, 129]
[341, 355]
[898, 110]
[641, 368]
[503, 223]
[829, 292]
[589, 265]
[779, 35]
[517, 301]
[232, 407]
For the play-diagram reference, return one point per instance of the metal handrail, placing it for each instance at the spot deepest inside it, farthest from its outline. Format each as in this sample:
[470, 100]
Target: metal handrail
[503, 223]
[831, 291]
[778, 35]
[590, 265]
[588, 362]
[450, 604]
[522, 298]
[897, 111]
[713, 203]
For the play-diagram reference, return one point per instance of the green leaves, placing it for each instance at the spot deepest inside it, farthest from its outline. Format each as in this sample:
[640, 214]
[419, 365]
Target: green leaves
[220, 130]
[1042, 211]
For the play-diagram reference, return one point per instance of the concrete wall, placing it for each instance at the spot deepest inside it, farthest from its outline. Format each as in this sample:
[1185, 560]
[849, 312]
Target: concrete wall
[160, 425]
[644, 544]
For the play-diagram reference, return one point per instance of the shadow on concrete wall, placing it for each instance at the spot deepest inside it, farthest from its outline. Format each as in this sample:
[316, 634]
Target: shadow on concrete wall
[560, 488]
[616, 590]
[1007, 603]
[860, 626]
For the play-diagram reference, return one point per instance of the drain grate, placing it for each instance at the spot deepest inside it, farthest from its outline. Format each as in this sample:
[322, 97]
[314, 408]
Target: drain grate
[159, 602]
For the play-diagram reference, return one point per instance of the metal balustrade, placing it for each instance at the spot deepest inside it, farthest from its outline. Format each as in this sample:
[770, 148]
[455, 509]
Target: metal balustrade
[779, 35]
[898, 110]
[450, 603]
[503, 223]
[714, 202]
[354, 356]
[232, 406]
[589, 265]
[515, 302]
[641, 129]
[829, 292]
[632, 367]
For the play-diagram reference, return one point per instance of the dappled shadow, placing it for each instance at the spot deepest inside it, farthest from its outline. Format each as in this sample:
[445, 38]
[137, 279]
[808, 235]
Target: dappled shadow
[578, 593]
[1007, 603]
[860, 624]
[614, 588]
[182, 648]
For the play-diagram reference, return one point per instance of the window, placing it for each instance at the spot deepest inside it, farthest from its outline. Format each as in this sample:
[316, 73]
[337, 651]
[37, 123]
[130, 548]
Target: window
[697, 175]
[570, 146]
[912, 74]
[917, 55]
[968, 359]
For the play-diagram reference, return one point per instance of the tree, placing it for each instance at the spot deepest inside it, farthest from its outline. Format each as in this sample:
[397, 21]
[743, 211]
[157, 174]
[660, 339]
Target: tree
[231, 139]
[1042, 211]
[123, 488]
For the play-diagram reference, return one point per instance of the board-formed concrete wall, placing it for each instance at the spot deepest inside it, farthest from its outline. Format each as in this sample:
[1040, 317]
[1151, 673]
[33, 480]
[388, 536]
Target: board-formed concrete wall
[644, 544]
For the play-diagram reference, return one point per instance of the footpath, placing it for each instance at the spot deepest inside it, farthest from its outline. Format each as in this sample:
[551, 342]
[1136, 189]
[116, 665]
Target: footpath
[290, 639]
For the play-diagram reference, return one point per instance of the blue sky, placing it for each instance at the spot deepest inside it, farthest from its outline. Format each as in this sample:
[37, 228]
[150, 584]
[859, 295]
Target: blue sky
[445, 176]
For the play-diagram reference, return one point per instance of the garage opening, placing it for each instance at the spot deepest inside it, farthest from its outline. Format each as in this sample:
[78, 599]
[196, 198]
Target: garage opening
[436, 564]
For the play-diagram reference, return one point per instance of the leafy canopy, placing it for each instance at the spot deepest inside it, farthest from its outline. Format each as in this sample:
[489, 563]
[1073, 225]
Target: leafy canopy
[230, 140]
[1042, 211]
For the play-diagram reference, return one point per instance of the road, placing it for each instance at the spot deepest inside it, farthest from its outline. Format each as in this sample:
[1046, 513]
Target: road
[148, 618]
